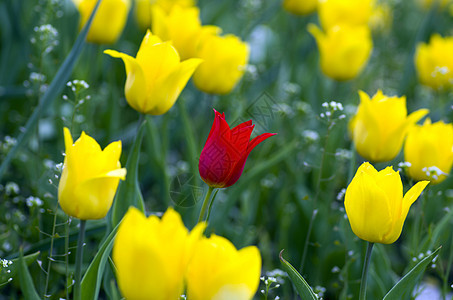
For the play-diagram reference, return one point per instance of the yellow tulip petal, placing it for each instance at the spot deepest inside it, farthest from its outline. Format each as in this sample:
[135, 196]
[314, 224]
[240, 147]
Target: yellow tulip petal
[362, 196]
[157, 61]
[136, 85]
[170, 87]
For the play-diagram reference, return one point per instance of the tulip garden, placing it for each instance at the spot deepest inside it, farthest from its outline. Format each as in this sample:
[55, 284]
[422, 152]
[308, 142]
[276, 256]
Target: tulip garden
[250, 149]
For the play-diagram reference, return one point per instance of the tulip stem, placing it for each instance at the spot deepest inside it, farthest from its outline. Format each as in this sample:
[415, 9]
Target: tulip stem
[366, 264]
[206, 201]
[78, 262]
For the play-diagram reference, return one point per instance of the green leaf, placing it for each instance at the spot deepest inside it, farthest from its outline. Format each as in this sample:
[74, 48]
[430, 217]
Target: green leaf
[14, 267]
[55, 88]
[92, 279]
[26, 282]
[129, 193]
[303, 289]
[406, 285]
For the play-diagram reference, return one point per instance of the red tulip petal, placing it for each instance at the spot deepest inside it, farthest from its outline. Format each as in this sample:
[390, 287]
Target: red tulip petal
[253, 143]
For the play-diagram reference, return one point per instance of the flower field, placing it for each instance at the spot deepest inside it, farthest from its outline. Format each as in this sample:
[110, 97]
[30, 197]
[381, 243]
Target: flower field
[249, 149]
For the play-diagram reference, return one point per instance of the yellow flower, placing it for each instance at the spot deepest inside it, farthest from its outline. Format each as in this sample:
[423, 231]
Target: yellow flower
[300, 7]
[224, 61]
[344, 12]
[434, 62]
[429, 150]
[343, 50]
[233, 274]
[108, 22]
[156, 77]
[380, 125]
[182, 26]
[90, 177]
[151, 255]
[143, 9]
[375, 204]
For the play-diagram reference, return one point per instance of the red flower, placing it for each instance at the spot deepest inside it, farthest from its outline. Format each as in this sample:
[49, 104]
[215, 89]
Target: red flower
[226, 150]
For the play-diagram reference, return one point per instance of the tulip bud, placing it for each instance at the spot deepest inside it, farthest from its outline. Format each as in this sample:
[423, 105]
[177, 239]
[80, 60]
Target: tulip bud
[434, 62]
[380, 126]
[225, 152]
[90, 177]
[224, 62]
[151, 255]
[109, 21]
[156, 77]
[233, 274]
[375, 204]
[429, 150]
[343, 50]
[300, 7]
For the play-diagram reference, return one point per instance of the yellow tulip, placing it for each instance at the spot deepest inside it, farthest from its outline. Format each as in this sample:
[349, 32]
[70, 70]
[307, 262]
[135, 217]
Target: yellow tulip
[434, 62]
[156, 77]
[182, 26]
[375, 204]
[143, 9]
[90, 177]
[429, 150]
[300, 7]
[343, 50]
[218, 271]
[380, 126]
[151, 255]
[108, 22]
[344, 12]
[224, 61]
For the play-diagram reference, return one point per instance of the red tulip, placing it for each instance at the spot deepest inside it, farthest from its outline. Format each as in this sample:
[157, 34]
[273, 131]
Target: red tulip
[223, 157]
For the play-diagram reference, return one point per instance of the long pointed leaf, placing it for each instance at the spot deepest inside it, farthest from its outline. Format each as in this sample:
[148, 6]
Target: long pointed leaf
[303, 289]
[129, 193]
[26, 282]
[406, 285]
[91, 282]
[55, 88]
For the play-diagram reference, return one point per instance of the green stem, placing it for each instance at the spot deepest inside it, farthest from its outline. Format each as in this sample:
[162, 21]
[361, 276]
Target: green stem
[79, 258]
[206, 201]
[188, 132]
[51, 249]
[315, 201]
[366, 265]
[66, 248]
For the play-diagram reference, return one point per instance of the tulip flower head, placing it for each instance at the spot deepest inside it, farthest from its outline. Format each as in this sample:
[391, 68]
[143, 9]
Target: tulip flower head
[156, 77]
[224, 61]
[345, 12]
[233, 274]
[144, 8]
[429, 150]
[300, 7]
[343, 50]
[109, 21]
[375, 204]
[225, 152]
[90, 177]
[151, 255]
[380, 125]
[181, 26]
[434, 62]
